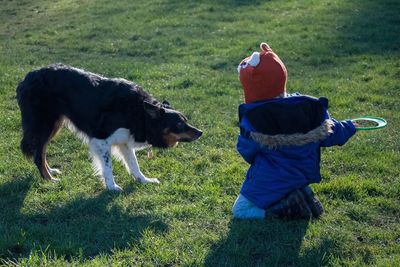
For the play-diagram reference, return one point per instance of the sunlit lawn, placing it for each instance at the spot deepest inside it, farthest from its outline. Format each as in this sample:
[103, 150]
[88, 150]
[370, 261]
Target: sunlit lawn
[187, 52]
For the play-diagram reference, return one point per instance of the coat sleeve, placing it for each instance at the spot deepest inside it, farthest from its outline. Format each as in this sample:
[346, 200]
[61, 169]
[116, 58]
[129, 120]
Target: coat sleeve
[247, 148]
[342, 131]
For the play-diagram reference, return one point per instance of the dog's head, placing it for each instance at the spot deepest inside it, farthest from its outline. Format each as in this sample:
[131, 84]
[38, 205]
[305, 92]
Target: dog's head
[166, 126]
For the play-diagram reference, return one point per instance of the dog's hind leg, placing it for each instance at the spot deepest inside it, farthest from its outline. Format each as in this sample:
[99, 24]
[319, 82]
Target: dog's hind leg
[132, 165]
[101, 153]
[47, 131]
[56, 129]
[40, 161]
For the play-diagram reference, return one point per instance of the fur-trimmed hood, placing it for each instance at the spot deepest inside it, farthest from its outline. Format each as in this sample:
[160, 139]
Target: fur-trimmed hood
[297, 139]
[292, 121]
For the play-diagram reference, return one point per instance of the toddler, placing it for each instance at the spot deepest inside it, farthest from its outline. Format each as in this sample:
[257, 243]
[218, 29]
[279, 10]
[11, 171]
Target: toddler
[280, 137]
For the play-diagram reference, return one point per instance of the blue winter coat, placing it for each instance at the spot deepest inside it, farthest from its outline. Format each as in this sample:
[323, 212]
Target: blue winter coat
[281, 139]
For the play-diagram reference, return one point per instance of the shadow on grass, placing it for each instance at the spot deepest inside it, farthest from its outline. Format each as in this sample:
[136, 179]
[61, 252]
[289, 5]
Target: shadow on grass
[268, 243]
[259, 243]
[371, 27]
[367, 27]
[81, 229]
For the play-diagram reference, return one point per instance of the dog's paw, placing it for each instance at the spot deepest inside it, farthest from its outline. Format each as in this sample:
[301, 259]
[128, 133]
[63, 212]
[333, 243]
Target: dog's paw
[54, 171]
[115, 188]
[149, 181]
[54, 180]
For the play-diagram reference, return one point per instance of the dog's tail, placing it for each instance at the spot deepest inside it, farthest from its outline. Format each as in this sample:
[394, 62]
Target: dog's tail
[24, 93]
[30, 101]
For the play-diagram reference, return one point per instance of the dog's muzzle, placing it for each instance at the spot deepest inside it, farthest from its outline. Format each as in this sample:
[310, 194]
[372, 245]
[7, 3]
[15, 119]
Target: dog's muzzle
[191, 135]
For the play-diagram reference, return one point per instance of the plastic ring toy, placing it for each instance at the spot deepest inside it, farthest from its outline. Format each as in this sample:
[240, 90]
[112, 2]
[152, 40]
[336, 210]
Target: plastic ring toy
[379, 123]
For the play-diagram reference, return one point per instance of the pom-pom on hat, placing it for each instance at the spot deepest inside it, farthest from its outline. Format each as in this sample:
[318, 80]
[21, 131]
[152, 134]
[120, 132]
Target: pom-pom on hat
[262, 75]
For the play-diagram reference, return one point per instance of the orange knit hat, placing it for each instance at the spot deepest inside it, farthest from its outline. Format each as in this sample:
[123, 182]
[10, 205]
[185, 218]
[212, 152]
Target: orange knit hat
[263, 75]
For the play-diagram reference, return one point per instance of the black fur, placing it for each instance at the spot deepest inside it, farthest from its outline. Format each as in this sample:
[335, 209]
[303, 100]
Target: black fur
[96, 105]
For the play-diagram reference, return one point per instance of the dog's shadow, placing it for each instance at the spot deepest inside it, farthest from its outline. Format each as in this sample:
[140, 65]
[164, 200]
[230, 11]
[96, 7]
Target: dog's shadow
[271, 242]
[82, 228]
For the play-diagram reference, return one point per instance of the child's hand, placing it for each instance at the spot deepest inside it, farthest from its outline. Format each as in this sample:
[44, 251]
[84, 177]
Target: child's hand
[356, 124]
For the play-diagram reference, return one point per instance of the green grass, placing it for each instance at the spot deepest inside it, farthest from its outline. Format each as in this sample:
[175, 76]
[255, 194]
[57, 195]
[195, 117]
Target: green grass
[187, 52]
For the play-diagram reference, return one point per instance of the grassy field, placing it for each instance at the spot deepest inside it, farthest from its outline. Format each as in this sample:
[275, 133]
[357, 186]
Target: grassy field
[187, 52]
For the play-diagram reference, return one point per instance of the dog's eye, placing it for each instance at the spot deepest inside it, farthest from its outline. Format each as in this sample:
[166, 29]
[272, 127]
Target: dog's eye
[180, 126]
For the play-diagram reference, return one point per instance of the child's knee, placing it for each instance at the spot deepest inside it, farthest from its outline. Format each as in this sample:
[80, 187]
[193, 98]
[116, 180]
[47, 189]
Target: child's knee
[238, 210]
[245, 209]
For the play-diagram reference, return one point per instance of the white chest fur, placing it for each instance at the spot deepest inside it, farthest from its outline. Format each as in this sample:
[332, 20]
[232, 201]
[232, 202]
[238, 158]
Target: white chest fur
[123, 146]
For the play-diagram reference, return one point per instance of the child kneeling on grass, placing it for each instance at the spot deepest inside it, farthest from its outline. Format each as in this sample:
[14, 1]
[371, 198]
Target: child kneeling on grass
[280, 137]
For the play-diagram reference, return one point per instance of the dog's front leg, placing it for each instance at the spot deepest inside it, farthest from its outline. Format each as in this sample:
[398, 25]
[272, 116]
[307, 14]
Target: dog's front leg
[101, 152]
[132, 164]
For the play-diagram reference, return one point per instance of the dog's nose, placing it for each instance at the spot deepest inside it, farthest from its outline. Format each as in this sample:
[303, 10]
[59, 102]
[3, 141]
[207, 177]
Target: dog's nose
[198, 133]
[194, 134]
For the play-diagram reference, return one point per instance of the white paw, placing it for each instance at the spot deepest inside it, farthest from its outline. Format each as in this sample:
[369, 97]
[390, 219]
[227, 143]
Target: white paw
[54, 180]
[149, 181]
[54, 171]
[115, 188]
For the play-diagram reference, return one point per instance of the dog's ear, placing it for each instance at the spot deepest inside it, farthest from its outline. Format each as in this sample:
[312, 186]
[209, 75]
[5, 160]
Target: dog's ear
[166, 104]
[152, 110]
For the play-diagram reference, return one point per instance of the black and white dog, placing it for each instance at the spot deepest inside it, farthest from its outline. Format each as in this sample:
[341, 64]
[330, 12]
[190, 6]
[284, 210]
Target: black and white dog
[107, 113]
